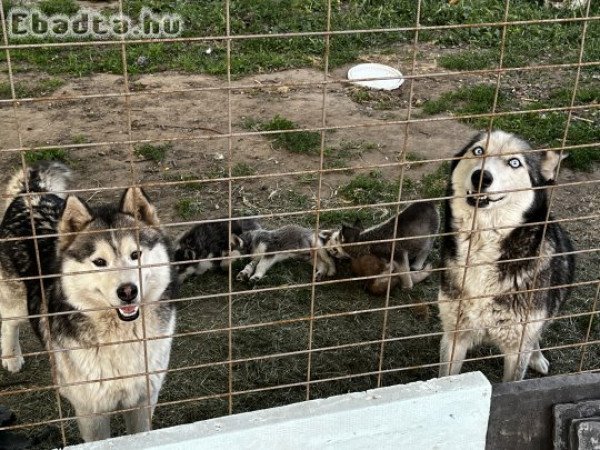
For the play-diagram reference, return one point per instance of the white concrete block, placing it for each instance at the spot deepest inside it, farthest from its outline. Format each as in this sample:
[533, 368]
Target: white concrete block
[447, 413]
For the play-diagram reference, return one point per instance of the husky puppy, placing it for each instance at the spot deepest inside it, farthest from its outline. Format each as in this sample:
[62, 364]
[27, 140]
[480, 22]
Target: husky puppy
[92, 307]
[411, 251]
[282, 240]
[206, 241]
[371, 265]
[492, 208]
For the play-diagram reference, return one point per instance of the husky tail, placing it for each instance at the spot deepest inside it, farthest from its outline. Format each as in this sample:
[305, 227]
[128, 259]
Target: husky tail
[46, 176]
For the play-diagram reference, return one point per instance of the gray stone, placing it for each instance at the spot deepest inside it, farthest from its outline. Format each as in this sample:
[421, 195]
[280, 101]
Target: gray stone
[521, 416]
[588, 435]
[564, 416]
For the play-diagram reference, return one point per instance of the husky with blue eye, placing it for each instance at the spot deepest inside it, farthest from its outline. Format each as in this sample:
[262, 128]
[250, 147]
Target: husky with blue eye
[106, 281]
[505, 275]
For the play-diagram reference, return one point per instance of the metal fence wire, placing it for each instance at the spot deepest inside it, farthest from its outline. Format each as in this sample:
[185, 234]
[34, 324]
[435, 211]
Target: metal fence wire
[213, 131]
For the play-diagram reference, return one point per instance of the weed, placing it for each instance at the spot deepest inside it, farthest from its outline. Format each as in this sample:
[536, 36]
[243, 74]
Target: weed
[53, 7]
[187, 208]
[370, 188]
[50, 154]
[304, 142]
[242, 169]
[470, 60]
[156, 153]
[30, 89]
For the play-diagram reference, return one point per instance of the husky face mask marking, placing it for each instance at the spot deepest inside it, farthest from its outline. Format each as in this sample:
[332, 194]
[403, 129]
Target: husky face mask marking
[111, 260]
[494, 174]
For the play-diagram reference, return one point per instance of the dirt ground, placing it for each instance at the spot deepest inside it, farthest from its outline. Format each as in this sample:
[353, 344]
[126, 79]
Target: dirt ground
[201, 118]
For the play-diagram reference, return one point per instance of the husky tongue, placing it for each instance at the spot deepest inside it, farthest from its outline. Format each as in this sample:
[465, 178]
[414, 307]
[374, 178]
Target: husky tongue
[128, 309]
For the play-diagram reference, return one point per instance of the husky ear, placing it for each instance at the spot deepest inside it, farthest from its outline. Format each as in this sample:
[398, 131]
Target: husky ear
[550, 162]
[75, 217]
[349, 233]
[325, 235]
[236, 242]
[135, 203]
[358, 224]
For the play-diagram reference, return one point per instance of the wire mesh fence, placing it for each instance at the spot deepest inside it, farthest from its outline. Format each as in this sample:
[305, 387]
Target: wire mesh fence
[247, 115]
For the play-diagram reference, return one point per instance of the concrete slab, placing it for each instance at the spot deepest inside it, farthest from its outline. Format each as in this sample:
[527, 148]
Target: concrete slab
[568, 414]
[448, 413]
[588, 435]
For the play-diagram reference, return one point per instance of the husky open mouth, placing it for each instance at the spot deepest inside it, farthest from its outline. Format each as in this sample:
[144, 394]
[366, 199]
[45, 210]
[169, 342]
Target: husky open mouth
[483, 199]
[128, 312]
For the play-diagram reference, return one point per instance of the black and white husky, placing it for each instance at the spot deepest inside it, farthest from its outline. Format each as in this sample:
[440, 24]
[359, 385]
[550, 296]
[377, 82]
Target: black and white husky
[287, 242]
[106, 276]
[415, 228]
[198, 249]
[495, 223]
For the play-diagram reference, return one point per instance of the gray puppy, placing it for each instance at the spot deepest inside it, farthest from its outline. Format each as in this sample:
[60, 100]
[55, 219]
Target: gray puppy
[282, 242]
[411, 250]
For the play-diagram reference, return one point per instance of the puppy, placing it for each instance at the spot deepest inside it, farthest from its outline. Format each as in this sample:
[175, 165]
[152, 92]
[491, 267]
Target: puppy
[282, 242]
[206, 241]
[415, 229]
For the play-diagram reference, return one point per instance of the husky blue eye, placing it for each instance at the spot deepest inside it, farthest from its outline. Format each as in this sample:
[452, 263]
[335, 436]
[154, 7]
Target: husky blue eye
[99, 262]
[514, 163]
[136, 255]
[478, 151]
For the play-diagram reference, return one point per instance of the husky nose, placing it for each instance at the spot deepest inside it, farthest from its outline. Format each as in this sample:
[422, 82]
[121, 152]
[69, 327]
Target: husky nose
[486, 179]
[127, 292]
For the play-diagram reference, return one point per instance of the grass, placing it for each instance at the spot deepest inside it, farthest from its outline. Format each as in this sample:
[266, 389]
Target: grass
[156, 153]
[32, 89]
[369, 188]
[188, 208]
[541, 129]
[51, 154]
[242, 169]
[301, 142]
[531, 43]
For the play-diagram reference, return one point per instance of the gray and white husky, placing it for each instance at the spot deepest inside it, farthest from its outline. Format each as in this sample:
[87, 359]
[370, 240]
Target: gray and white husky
[415, 230]
[198, 249]
[104, 283]
[493, 224]
[284, 241]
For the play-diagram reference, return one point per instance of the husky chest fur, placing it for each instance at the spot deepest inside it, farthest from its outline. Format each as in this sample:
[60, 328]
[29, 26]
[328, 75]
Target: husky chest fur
[495, 220]
[108, 276]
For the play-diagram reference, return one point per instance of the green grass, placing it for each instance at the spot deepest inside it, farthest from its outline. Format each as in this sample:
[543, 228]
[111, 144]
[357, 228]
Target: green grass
[469, 60]
[531, 43]
[187, 208]
[302, 142]
[369, 188]
[242, 169]
[51, 154]
[156, 153]
[53, 7]
[30, 89]
[541, 129]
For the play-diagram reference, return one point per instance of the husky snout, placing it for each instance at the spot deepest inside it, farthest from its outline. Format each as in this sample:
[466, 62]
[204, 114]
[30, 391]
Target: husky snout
[127, 292]
[486, 180]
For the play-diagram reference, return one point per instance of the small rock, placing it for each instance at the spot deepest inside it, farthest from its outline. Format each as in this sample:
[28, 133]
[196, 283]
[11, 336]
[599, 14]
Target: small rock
[142, 61]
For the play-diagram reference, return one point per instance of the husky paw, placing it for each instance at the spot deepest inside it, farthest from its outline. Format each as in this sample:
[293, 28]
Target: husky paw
[14, 364]
[539, 363]
[255, 278]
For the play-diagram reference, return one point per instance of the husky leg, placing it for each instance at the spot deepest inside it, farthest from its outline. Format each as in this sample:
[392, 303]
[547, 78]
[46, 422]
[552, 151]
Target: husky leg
[538, 361]
[404, 267]
[419, 261]
[420, 275]
[452, 363]
[138, 420]
[13, 303]
[265, 264]
[248, 270]
[93, 428]
[515, 363]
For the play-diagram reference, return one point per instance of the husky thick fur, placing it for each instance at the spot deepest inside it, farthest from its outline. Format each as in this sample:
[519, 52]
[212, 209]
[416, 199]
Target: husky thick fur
[284, 241]
[410, 252]
[90, 312]
[493, 218]
[206, 241]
